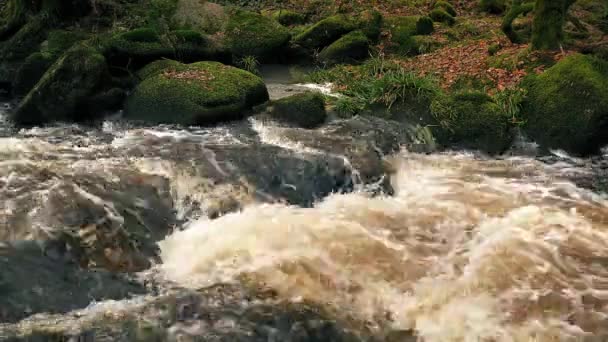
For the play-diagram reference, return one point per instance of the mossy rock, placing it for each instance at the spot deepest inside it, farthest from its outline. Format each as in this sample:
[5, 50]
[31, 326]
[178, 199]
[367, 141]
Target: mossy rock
[64, 87]
[59, 41]
[252, 34]
[305, 110]
[441, 16]
[567, 105]
[30, 72]
[203, 16]
[288, 18]
[446, 6]
[471, 120]
[371, 23]
[157, 67]
[142, 46]
[493, 6]
[326, 31]
[411, 25]
[191, 94]
[19, 46]
[352, 47]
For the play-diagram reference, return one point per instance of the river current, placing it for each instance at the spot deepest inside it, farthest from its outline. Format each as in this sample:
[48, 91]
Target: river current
[253, 216]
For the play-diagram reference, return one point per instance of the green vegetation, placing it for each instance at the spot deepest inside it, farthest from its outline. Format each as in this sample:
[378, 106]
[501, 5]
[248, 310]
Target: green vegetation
[441, 16]
[567, 106]
[250, 63]
[288, 18]
[518, 7]
[352, 47]
[306, 110]
[549, 20]
[445, 6]
[198, 93]
[326, 32]
[403, 31]
[251, 34]
[471, 120]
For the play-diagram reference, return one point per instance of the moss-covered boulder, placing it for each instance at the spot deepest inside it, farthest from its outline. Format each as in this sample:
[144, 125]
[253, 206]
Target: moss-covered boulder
[446, 6]
[567, 105]
[142, 46]
[493, 6]
[198, 93]
[352, 47]
[410, 25]
[36, 64]
[30, 72]
[471, 120]
[371, 24]
[288, 18]
[252, 34]
[305, 110]
[19, 46]
[326, 31]
[441, 16]
[68, 83]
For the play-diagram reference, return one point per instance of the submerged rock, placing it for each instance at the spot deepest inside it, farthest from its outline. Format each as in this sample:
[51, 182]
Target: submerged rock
[306, 110]
[198, 93]
[31, 283]
[567, 105]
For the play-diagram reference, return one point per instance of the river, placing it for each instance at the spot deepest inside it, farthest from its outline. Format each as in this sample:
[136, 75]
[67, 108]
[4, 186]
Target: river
[267, 233]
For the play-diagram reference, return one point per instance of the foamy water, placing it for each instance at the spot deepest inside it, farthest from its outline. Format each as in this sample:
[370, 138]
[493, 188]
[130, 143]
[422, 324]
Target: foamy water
[466, 250]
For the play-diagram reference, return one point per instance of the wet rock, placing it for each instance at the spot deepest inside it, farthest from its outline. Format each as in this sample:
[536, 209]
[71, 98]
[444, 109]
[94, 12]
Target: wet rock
[305, 110]
[32, 283]
[219, 313]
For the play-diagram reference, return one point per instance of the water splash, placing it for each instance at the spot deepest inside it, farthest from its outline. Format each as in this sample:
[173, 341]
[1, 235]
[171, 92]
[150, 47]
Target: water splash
[467, 250]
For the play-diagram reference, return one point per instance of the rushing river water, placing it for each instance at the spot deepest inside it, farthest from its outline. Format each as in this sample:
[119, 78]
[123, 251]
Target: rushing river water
[268, 233]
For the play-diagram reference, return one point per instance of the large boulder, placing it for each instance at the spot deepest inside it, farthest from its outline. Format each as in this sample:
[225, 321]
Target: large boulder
[198, 93]
[36, 64]
[326, 31]
[306, 110]
[288, 18]
[352, 47]
[252, 34]
[471, 120]
[567, 105]
[144, 45]
[63, 88]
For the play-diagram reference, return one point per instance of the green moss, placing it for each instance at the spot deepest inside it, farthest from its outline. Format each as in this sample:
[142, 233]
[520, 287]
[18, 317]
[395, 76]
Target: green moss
[352, 47]
[30, 72]
[567, 105]
[306, 110]
[424, 26]
[65, 86]
[251, 34]
[370, 23]
[157, 67]
[59, 41]
[288, 18]
[549, 20]
[441, 16]
[446, 6]
[494, 48]
[410, 26]
[326, 31]
[493, 6]
[471, 120]
[142, 46]
[198, 93]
